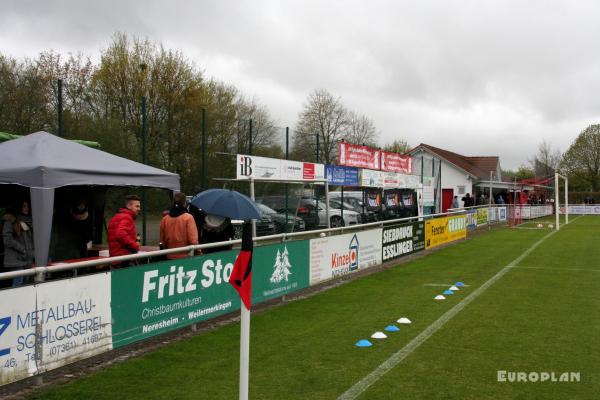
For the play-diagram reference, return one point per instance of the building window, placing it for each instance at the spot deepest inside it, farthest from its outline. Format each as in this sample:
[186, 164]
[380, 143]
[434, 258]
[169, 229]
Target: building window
[461, 189]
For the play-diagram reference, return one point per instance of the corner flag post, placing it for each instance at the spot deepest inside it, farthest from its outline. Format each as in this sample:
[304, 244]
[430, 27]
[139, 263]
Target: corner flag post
[245, 330]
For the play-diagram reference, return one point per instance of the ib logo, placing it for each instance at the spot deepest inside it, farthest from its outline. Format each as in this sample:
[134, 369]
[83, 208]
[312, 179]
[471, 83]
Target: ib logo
[245, 166]
[353, 251]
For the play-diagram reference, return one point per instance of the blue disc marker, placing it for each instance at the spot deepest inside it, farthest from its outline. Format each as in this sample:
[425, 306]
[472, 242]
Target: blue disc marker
[448, 292]
[363, 343]
[459, 284]
[392, 328]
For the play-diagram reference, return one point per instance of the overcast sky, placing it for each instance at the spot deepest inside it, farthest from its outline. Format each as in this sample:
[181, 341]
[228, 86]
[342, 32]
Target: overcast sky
[474, 77]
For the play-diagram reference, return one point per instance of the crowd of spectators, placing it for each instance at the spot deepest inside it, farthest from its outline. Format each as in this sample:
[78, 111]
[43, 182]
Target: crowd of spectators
[181, 225]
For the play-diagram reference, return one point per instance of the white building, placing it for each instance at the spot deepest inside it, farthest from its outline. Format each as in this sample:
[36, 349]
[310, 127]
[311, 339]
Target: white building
[459, 174]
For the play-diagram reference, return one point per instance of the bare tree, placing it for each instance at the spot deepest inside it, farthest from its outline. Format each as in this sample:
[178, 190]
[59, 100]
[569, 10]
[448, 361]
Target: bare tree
[546, 160]
[325, 116]
[264, 131]
[582, 159]
[361, 130]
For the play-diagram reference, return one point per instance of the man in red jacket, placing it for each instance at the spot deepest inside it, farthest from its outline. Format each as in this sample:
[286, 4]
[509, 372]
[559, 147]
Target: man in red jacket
[121, 229]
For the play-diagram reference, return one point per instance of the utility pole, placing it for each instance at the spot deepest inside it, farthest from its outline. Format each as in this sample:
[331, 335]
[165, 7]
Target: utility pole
[144, 152]
[250, 138]
[59, 107]
[203, 166]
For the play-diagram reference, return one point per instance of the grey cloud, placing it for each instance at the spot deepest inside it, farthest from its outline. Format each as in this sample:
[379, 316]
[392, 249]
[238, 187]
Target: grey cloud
[427, 69]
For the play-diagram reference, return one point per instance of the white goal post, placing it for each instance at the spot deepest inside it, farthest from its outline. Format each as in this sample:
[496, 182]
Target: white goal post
[556, 198]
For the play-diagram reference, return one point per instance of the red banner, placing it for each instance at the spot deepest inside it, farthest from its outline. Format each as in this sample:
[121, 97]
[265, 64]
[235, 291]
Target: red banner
[394, 162]
[353, 155]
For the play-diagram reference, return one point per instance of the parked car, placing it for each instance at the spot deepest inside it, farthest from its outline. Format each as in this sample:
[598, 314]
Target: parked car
[355, 203]
[335, 214]
[293, 223]
[264, 226]
[308, 213]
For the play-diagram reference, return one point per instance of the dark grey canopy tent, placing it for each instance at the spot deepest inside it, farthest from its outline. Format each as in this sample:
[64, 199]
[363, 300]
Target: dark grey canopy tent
[44, 162]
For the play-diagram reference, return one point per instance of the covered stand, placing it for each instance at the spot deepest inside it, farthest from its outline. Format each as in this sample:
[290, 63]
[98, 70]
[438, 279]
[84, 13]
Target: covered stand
[44, 162]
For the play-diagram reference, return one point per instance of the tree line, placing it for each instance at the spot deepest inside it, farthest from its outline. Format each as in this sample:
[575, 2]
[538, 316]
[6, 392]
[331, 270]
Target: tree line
[103, 102]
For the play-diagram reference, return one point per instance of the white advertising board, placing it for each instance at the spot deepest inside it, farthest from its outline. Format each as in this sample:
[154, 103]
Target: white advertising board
[428, 196]
[276, 169]
[339, 255]
[371, 178]
[391, 180]
[409, 181]
[590, 209]
[15, 363]
[498, 214]
[52, 324]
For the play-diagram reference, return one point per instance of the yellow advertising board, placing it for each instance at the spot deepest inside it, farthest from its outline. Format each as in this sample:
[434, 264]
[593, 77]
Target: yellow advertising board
[445, 230]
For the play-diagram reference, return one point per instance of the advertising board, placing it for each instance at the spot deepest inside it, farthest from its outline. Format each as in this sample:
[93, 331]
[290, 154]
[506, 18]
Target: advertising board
[443, 230]
[276, 169]
[339, 255]
[339, 175]
[353, 155]
[402, 239]
[395, 162]
[370, 178]
[482, 216]
[46, 326]
[160, 297]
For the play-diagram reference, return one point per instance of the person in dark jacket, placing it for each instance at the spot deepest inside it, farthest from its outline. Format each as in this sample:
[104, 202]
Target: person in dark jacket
[17, 236]
[212, 229]
[71, 232]
[467, 200]
[122, 239]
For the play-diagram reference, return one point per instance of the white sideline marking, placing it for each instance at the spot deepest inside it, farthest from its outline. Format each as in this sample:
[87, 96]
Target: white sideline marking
[559, 269]
[358, 388]
[441, 284]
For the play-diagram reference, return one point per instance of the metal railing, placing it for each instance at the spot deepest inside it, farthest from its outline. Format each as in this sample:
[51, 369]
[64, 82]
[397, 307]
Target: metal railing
[40, 272]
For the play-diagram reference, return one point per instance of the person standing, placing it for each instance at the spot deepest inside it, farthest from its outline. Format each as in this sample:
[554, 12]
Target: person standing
[467, 200]
[17, 236]
[71, 232]
[455, 202]
[122, 239]
[178, 228]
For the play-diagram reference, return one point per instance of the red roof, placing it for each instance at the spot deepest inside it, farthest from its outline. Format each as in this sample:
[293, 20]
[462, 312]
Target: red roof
[479, 167]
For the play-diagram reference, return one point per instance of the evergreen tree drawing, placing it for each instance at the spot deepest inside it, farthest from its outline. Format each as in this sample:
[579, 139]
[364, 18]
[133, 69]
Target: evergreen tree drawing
[281, 268]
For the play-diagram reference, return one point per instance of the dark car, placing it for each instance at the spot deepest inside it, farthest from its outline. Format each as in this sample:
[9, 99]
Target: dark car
[281, 221]
[308, 213]
[264, 226]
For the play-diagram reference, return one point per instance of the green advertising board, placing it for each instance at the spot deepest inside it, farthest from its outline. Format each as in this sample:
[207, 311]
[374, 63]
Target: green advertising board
[151, 299]
[280, 269]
